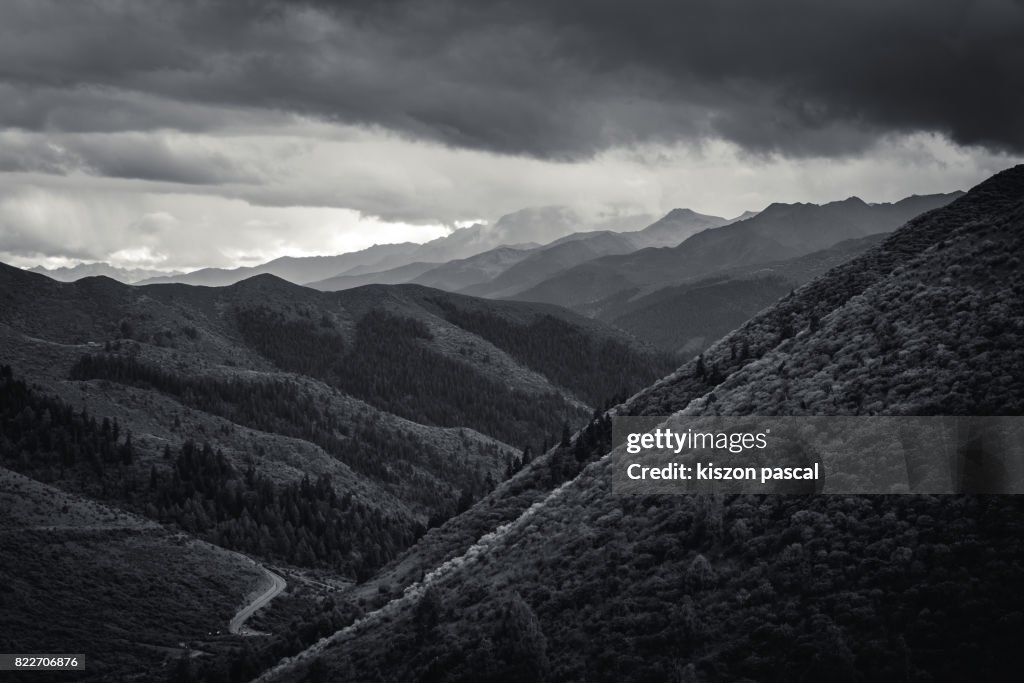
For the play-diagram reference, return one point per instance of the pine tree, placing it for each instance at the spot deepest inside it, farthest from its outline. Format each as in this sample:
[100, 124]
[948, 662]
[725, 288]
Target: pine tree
[523, 643]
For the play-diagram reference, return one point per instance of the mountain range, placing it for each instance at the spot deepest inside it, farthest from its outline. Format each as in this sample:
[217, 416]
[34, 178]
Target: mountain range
[125, 275]
[429, 472]
[323, 432]
[685, 319]
[505, 271]
[468, 256]
[574, 582]
[781, 231]
[510, 230]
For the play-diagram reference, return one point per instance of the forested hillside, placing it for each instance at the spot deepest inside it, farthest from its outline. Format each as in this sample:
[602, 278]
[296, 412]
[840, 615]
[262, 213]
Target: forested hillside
[764, 587]
[122, 588]
[304, 523]
[688, 318]
[322, 433]
[363, 393]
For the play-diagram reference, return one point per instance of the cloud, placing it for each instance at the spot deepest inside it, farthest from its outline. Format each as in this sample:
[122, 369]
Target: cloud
[348, 193]
[162, 156]
[63, 219]
[206, 132]
[558, 80]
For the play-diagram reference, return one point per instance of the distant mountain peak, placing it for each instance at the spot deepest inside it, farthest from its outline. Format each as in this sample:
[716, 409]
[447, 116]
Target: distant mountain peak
[264, 280]
[744, 216]
[782, 208]
[852, 199]
[681, 213]
[82, 270]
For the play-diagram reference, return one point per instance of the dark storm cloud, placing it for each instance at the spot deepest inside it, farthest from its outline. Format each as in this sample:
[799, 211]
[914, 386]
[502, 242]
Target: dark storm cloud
[159, 157]
[554, 79]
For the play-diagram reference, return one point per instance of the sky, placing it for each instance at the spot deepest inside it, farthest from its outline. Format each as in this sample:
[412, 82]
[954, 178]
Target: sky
[178, 135]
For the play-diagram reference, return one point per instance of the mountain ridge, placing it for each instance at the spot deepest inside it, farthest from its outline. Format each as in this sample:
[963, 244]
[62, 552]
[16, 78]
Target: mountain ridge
[784, 232]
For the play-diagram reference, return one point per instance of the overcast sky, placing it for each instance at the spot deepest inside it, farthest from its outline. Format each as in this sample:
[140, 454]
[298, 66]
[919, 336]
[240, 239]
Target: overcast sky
[187, 134]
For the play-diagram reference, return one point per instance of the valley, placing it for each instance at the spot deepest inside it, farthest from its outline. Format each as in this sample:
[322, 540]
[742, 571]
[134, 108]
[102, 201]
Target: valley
[324, 446]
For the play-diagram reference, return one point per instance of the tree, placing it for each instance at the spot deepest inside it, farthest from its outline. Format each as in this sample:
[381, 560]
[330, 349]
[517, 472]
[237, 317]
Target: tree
[580, 451]
[428, 614]
[465, 501]
[523, 644]
[127, 451]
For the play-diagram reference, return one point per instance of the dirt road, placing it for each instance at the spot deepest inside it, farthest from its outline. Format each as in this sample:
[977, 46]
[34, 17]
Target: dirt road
[237, 624]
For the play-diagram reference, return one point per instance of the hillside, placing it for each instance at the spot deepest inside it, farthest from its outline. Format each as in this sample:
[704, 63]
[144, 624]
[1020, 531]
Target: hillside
[686, 319]
[391, 276]
[571, 250]
[461, 273]
[82, 577]
[506, 270]
[546, 261]
[780, 232]
[366, 388]
[587, 585]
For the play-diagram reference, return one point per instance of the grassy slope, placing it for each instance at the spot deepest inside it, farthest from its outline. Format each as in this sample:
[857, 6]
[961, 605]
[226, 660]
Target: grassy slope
[78, 576]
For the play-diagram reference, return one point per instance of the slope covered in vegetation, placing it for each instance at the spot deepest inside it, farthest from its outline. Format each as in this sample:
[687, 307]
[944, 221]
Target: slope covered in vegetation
[587, 585]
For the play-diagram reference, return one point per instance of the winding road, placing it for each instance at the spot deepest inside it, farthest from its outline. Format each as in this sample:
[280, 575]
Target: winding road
[237, 624]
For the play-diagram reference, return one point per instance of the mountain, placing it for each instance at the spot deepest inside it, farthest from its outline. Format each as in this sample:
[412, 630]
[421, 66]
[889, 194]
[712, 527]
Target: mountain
[674, 227]
[320, 432]
[331, 336]
[744, 216]
[356, 278]
[781, 231]
[503, 272]
[543, 262]
[461, 273]
[523, 228]
[513, 238]
[125, 275]
[547, 223]
[687, 318]
[366, 386]
[297, 269]
[584, 584]
[382, 257]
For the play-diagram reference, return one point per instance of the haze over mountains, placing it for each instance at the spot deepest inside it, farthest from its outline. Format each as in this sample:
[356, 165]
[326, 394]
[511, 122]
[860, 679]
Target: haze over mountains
[522, 231]
[514, 229]
[508, 269]
[651, 281]
[781, 231]
[125, 275]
